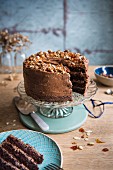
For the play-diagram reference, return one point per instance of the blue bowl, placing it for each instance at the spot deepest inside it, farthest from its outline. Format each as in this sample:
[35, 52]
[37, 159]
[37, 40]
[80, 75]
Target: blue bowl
[102, 79]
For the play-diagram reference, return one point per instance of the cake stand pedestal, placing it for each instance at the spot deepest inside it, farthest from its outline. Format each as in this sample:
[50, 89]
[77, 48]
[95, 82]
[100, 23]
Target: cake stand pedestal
[61, 117]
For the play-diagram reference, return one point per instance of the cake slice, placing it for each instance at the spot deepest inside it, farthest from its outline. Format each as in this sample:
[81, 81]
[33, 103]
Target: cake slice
[15, 154]
[4, 165]
[26, 148]
[10, 158]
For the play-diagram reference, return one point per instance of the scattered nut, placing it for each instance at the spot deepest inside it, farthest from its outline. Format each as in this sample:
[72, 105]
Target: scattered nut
[74, 147]
[105, 149]
[90, 144]
[10, 78]
[81, 130]
[83, 136]
[80, 147]
[7, 123]
[88, 134]
[86, 139]
[15, 89]
[76, 138]
[14, 120]
[88, 131]
[3, 83]
[98, 141]
[73, 142]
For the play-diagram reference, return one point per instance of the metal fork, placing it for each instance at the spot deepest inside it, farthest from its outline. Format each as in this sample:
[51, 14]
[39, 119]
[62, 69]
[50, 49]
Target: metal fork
[52, 166]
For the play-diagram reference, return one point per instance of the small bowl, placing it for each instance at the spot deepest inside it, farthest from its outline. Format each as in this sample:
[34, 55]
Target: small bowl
[108, 70]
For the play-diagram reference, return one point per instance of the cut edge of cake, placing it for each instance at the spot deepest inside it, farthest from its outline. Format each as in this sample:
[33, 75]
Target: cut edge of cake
[15, 154]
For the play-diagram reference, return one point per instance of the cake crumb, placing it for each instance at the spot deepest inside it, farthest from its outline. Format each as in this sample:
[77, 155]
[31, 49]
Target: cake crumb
[7, 123]
[105, 149]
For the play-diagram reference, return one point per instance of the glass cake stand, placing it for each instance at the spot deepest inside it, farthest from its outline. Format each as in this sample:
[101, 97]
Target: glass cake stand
[60, 116]
[58, 109]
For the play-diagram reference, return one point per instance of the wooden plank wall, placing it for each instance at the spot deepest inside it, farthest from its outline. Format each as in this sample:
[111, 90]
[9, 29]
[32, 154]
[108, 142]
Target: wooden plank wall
[84, 26]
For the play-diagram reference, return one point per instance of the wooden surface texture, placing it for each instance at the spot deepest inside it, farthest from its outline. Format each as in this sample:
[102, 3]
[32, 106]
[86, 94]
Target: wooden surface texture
[91, 157]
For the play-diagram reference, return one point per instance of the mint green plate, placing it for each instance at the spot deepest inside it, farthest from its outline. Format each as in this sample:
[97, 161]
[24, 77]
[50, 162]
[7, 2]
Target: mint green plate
[42, 143]
[59, 125]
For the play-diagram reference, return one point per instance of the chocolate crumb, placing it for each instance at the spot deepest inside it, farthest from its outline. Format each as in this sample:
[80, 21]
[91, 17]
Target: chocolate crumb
[105, 149]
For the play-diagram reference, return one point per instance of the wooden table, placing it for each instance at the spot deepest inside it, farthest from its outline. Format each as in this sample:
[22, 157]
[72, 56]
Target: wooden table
[91, 157]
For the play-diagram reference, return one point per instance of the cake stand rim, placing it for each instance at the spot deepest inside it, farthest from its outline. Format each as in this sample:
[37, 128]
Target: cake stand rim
[91, 91]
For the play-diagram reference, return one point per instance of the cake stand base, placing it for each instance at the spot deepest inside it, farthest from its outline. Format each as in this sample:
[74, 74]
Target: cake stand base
[59, 125]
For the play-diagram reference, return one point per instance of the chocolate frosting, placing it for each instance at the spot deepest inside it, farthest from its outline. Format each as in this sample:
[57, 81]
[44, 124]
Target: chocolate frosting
[49, 76]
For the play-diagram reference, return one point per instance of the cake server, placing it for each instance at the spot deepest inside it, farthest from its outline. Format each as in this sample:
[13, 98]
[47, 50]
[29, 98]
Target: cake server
[29, 109]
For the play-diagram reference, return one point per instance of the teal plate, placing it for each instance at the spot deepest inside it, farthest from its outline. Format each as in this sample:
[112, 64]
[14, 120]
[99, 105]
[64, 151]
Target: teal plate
[59, 125]
[42, 143]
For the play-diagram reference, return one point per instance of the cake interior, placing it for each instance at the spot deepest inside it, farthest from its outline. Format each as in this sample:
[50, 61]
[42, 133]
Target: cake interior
[15, 154]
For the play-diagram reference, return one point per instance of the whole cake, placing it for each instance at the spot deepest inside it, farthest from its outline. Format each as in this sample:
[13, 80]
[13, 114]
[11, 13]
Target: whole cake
[52, 76]
[16, 155]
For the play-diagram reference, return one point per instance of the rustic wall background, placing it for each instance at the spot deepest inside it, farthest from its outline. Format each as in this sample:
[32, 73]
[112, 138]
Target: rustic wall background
[84, 26]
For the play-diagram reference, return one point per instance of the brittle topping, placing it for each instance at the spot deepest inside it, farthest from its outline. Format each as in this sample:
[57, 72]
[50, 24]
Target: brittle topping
[53, 61]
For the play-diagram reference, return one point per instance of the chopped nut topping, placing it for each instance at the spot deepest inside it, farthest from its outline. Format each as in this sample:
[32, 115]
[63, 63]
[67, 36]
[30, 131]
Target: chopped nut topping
[41, 60]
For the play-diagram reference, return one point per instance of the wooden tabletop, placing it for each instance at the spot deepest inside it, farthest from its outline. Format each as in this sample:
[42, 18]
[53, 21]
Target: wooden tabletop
[91, 157]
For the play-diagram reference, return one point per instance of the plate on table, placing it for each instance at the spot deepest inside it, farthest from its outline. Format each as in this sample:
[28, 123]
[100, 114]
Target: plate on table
[41, 142]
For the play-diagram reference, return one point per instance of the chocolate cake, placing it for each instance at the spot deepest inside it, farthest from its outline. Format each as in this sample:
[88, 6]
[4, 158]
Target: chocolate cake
[53, 76]
[16, 155]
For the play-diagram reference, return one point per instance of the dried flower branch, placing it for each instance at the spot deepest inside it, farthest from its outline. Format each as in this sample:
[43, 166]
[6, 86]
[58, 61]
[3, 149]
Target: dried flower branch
[13, 42]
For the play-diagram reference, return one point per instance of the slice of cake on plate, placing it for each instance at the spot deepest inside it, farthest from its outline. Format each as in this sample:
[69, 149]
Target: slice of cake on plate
[16, 155]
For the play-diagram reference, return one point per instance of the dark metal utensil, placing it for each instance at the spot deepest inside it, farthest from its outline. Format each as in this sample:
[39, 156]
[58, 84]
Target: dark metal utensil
[52, 166]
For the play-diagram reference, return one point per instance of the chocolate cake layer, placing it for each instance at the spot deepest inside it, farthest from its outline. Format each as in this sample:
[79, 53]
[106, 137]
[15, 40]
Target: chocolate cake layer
[38, 158]
[10, 158]
[20, 155]
[49, 76]
[4, 165]
[47, 86]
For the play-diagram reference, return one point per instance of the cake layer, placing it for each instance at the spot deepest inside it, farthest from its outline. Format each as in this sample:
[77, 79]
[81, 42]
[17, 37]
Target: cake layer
[4, 165]
[20, 155]
[79, 76]
[47, 86]
[79, 89]
[9, 158]
[38, 158]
